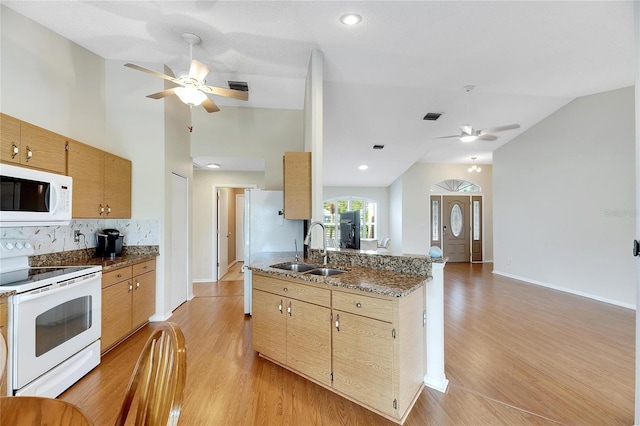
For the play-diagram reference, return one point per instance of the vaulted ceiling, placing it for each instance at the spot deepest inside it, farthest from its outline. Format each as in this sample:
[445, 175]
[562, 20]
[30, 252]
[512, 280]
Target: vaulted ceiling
[526, 59]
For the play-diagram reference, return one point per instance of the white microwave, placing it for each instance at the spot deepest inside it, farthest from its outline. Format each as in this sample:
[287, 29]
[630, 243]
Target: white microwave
[33, 198]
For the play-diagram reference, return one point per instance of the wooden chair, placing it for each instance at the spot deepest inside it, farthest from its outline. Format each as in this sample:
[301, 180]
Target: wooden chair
[158, 380]
[3, 358]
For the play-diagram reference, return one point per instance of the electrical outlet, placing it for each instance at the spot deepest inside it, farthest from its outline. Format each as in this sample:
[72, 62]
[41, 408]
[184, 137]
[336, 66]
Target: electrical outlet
[76, 236]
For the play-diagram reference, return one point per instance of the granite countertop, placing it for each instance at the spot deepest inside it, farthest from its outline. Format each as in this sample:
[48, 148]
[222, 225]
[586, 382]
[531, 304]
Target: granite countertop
[381, 282]
[131, 256]
[6, 293]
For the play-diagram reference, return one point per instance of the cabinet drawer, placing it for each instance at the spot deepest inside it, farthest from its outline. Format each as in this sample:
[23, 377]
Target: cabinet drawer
[141, 268]
[366, 306]
[115, 276]
[3, 313]
[299, 291]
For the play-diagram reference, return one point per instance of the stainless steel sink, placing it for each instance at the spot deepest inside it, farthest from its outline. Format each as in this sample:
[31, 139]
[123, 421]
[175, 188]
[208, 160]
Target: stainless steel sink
[295, 267]
[325, 272]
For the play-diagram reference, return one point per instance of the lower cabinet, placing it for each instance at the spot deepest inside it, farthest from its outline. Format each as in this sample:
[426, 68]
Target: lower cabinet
[290, 331]
[370, 349]
[128, 300]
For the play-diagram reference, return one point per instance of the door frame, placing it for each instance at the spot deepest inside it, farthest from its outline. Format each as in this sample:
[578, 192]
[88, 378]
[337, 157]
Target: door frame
[440, 195]
[214, 222]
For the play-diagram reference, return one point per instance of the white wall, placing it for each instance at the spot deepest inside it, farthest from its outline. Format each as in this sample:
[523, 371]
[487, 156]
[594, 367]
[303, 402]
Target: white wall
[49, 81]
[564, 196]
[395, 214]
[378, 194]
[416, 185]
[249, 132]
[204, 216]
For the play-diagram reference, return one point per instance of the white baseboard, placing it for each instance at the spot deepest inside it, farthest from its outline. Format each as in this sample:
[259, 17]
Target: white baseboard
[567, 290]
[203, 280]
[160, 318]
[439, 385]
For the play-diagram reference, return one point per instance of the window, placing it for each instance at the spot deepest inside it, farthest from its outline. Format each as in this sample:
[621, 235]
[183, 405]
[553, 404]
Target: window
[368, 217]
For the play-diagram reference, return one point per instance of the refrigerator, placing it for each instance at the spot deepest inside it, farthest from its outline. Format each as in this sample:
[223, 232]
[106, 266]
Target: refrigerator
[266, 230]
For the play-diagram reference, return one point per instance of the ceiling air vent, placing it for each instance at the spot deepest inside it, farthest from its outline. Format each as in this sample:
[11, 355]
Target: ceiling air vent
[378, 146]
[432, 116]
[239, 85]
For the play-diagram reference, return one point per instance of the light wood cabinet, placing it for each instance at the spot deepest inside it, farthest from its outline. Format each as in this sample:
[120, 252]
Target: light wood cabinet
[31, 146]
[128, 300]
[101, 182]
[297, 185]
[372, 347]
[290, 331]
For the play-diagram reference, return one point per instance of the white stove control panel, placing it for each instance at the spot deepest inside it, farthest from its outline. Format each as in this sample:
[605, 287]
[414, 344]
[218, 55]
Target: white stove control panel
[11, 247]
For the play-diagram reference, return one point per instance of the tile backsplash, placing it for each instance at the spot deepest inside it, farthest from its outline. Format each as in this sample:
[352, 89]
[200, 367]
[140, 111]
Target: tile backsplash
[53, 239]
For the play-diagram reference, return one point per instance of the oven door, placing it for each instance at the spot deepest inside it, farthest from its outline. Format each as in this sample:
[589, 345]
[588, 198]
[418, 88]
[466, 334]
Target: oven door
[53, 324]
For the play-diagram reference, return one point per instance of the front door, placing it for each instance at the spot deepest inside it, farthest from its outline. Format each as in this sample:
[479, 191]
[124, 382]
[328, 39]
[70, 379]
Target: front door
[455, 229]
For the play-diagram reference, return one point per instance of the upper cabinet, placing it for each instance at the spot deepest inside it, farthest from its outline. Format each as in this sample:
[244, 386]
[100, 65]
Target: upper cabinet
[101, 182]
[297, 185]
[27, 145]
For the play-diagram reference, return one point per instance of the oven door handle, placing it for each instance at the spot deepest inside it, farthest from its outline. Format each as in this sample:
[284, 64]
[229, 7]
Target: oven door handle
[53, 289]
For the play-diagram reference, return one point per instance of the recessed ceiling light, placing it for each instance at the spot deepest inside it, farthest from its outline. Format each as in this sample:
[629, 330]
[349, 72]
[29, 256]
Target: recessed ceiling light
[351, 19]
[213, 165]
[363, 167]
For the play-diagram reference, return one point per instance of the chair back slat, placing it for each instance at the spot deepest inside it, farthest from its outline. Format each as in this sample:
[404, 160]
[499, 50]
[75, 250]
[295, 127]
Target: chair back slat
[158, 379]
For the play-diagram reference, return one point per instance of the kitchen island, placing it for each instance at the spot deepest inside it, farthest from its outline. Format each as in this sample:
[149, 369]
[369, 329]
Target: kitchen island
[360, 333]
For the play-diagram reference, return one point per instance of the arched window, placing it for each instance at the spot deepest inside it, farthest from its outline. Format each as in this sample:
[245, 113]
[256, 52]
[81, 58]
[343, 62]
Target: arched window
[455, 185]
[368, 217]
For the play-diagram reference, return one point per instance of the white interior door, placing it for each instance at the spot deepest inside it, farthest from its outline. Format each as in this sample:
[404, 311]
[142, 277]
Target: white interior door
[240, 228]
[223, 233]
[179, 284]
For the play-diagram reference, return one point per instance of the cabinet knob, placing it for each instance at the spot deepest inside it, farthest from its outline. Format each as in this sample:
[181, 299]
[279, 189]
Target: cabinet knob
[289, 309]
[119, 275]
[358, 305]
[14, 150]
[101, 209]
[130, 288]
[29, 154]
[108, 210]
[338, 322]
[137, 285]
[285, 289]
[280, 306]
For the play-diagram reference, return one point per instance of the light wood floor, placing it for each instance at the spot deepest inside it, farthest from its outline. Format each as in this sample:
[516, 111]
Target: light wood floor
[515, 354]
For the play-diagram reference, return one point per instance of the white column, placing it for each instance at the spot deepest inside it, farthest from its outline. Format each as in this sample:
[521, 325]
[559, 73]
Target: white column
[435, 377]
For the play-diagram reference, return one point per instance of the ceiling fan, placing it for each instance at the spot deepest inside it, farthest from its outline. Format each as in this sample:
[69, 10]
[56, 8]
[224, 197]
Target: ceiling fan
[469, 134]
[192, 88]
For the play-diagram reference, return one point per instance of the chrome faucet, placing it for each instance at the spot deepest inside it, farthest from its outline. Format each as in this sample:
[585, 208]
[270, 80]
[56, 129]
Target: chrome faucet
[307, 240]
[295, 242]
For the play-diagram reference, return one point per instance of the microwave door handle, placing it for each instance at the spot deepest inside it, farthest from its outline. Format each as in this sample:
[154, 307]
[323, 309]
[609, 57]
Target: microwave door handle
[55, 197]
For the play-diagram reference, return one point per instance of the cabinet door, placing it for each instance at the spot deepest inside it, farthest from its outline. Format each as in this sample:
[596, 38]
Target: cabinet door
[269, 325]
[309, 340]
[363, 360]
[144, 298]
[116, 313]
[42, 149]
[9, 139]
[3, 331]
[297, 185]
[86, 167]
[117, 187]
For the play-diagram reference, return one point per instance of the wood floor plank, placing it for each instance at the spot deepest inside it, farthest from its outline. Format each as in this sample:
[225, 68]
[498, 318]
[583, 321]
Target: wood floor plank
[515, 354]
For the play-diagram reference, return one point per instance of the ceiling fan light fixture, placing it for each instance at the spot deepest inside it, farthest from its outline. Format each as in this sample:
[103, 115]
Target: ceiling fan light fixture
[190, 95]
[468, 138]
[350, 19]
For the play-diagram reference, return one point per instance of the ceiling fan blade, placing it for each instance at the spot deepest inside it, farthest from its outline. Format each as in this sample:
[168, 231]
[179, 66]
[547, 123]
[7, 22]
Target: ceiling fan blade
[198, 70]
[229, 93]
[446, 137]
[148, 71]
[499, 129]
[162, 94]
[487, 137]
[210, 106]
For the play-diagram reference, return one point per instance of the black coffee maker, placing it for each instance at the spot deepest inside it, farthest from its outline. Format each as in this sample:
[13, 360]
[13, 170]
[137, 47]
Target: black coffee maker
[109, 243]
